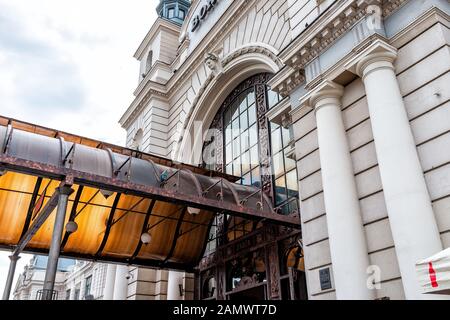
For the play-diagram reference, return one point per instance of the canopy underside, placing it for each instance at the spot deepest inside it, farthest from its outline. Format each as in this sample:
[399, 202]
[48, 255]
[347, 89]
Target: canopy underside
[117, 196]
[91, 210]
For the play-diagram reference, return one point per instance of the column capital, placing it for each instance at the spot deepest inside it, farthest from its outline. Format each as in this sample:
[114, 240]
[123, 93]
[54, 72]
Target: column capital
[327, 93]
[378, 55]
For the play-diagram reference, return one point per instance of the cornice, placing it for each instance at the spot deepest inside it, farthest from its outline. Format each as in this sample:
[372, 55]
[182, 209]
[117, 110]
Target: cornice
[210, 41]
[249, 50]
[425, 21]
[328, 28]
[324, 31]
[276, 113]
[159, 24]
[285, 81]
[158, 65]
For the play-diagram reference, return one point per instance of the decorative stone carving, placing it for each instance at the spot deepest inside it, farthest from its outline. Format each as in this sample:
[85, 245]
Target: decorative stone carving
[274, 269]
[212, 61]
[252, 49]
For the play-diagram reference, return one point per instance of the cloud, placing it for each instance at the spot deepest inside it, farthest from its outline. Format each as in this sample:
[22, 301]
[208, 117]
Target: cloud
[68, 65]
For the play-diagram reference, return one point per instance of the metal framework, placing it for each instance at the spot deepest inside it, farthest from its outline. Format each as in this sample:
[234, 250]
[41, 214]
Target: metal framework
[36, 155]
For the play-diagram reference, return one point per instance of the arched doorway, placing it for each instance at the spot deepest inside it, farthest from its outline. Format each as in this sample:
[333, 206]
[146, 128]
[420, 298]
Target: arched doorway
[245, 257]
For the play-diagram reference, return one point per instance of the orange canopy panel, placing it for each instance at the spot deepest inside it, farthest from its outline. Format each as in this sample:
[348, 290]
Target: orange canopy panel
[169, 224]
[116, 198]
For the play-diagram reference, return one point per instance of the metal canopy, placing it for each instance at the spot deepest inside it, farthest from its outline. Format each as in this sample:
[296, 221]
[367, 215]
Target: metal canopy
[117, 197]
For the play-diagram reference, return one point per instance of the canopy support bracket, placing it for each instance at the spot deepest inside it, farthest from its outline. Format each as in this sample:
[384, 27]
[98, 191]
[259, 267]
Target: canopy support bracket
[73, 215]
[34, 197]
[40, 219]
[108, 225]
[144, 229]
[175, 237]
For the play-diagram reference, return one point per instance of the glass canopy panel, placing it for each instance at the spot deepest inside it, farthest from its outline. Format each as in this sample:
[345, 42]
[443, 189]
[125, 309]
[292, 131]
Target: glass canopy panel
[127, 225]
[92, 214]
[193, 235]
[178, 237]
[161, 227]
[15, 196]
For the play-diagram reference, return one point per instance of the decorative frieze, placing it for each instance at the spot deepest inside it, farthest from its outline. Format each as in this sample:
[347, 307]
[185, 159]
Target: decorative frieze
[327, 30]
[334, 29]
[292, 81]
[252, 49]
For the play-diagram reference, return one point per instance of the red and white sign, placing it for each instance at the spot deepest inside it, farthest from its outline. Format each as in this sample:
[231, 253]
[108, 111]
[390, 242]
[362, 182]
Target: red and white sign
[434, 273]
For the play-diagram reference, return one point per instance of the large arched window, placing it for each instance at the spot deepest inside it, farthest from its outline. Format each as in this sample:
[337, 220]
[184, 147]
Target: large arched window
[242, 142]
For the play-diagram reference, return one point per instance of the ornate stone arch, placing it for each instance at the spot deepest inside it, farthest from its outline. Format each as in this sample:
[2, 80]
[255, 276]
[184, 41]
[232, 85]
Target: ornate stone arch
[234, 68]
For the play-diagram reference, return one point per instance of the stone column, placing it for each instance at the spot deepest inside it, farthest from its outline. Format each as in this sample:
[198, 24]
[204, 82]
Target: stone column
[108, 293]
[345, 227]
[413, 224]
[121, 283]
[173, 289]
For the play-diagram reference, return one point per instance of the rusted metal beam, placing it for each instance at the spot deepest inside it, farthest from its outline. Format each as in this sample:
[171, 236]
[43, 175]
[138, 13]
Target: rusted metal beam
[146, 263]
[144, 229]
[33, 128]
[205, 242]
[175, 237]
[34, 196]
[37, 223]
[171, 196]
[108, 225]
[73, 215]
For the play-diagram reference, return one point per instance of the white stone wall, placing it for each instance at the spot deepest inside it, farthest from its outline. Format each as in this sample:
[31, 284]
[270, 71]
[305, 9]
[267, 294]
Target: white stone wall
[424, 77]
[422, 69]
[147, 284]
[154, 123]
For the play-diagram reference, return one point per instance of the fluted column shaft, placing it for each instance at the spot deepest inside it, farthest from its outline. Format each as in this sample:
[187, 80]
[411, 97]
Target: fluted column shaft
[345, 227]
[411, 216]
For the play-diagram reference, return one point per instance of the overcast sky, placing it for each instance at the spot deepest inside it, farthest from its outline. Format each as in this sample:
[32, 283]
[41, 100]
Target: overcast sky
[68, 65]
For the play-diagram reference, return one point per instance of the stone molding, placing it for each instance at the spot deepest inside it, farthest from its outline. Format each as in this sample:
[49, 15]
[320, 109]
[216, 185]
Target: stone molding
[192, 62]
[252, 49]
[378, 55]
[322, 34]
[226, 61]
[328, 92]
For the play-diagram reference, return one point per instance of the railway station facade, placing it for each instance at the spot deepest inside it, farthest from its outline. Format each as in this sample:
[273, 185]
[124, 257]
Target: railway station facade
[330, 119]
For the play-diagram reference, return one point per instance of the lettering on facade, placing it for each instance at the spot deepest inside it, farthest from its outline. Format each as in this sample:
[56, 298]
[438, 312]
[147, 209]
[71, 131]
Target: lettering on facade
[204, 10]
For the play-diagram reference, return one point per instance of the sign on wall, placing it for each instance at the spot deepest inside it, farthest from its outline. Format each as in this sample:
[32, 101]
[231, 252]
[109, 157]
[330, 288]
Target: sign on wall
[203, 14]
[325, 279]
